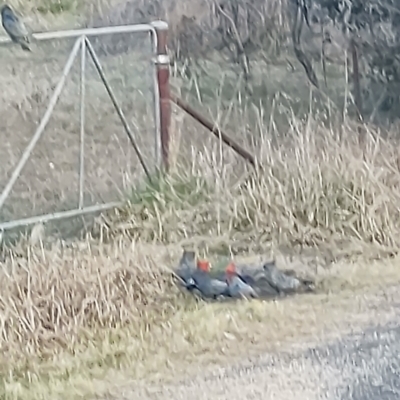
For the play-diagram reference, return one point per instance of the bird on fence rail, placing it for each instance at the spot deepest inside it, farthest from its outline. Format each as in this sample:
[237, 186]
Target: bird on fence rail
[15, 28]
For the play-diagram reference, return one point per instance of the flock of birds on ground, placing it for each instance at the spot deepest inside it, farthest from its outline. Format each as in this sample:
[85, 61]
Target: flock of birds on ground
[15, 27]
[238, 281]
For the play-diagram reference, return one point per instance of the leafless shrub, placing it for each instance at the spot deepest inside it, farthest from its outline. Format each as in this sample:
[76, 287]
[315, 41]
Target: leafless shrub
[372, 31]
[236, 29]
[248, 27]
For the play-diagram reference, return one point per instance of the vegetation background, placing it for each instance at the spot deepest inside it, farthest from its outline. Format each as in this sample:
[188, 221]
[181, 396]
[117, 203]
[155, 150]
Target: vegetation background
[84, 312]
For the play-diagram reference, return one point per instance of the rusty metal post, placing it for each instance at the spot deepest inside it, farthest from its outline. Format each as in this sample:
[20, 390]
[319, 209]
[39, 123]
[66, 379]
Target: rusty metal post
[162, 63]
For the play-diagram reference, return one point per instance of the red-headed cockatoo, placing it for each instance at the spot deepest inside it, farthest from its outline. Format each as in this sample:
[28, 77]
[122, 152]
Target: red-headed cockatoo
[236, 285]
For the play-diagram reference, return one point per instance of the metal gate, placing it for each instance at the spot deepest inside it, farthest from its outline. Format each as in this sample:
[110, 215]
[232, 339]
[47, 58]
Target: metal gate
[84, 45]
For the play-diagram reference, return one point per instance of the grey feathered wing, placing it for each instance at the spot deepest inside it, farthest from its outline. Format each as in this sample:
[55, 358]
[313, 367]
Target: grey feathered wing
[17, 31]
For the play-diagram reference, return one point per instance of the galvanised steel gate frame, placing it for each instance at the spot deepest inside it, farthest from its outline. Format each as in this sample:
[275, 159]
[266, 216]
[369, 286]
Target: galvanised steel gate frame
[158, 32]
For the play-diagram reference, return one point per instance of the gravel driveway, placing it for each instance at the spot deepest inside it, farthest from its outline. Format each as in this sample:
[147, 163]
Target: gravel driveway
[363, 365]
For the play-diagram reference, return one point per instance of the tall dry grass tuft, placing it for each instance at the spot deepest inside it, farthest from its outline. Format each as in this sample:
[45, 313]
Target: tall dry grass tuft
[315, 188]
[52, 300]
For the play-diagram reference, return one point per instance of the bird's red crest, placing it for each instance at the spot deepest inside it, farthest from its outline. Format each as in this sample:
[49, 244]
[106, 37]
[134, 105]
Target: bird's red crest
[231, 269]
[203, 265]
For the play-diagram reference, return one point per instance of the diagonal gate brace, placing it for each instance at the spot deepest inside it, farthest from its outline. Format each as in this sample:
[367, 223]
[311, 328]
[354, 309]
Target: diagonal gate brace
[116, 106]
[214, 130]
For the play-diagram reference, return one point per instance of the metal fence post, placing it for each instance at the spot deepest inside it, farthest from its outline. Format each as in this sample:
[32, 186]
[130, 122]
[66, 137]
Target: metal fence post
[162, 63]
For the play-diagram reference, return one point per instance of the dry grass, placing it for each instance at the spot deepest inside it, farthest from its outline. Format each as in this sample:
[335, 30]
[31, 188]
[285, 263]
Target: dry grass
[81, 319]
[78, 317]
[314, 189]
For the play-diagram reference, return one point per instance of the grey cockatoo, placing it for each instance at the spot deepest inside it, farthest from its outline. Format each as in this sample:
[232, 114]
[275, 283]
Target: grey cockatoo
[283, 282]
[186, 267]
[253, 275]
[207, 286]
[237, 287]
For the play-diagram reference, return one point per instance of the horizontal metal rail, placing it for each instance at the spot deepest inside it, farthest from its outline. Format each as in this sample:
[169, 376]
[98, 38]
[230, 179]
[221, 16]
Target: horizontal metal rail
[58, 215]
[73, 33]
